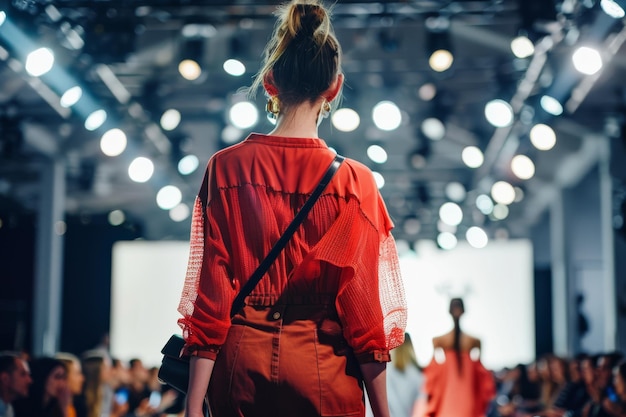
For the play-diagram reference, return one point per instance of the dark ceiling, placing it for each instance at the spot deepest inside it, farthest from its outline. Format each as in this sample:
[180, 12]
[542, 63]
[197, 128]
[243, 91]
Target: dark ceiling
[137, 44]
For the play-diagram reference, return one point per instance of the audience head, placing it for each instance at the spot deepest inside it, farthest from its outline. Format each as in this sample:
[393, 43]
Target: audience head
[404, 355]
[97, 370]
[121, 373]
[303, 57]
[75, 377]
[559, 370]
[49, 381]
[588, 370]
[604, 368]
[138, 372]
[574, 365]
[15, 378]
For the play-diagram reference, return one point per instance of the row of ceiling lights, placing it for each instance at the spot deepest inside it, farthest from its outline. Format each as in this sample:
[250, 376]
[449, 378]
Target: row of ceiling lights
[386, 116]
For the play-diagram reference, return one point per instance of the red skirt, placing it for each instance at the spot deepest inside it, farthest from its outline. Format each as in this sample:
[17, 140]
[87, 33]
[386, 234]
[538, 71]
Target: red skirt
[286, 360]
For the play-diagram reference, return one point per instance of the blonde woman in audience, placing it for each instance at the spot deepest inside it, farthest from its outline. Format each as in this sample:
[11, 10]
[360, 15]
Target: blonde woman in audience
[99, 396]
[404, 380]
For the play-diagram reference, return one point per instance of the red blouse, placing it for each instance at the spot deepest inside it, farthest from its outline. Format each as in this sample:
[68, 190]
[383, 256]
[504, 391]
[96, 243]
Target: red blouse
[343, 252]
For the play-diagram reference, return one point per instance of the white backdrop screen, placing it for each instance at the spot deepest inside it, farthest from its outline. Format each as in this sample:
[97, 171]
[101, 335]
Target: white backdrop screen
[495, 282]
[147, 283]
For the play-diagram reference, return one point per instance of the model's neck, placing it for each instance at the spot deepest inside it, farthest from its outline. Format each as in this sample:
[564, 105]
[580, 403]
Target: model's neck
[298, 122]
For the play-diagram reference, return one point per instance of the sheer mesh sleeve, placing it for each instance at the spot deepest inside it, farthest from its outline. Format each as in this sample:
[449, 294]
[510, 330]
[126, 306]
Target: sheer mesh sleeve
[208, 290]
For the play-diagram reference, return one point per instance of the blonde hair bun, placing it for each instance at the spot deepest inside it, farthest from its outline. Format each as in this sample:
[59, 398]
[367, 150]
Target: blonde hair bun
[306, 19]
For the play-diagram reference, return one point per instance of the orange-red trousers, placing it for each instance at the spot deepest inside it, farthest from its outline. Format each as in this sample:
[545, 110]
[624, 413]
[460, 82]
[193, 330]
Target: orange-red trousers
[286, 360]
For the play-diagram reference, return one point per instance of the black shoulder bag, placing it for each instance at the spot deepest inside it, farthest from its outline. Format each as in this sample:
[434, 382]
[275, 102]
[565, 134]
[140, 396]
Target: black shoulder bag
[174, 370]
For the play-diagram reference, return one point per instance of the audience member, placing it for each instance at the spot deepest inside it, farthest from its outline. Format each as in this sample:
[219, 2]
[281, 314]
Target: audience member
[573, 396]
[615, 402]
[49, 395]
[15, 380]
[99, 396]
[602, 388]
[546, 381]
[138, 390]
[75, 381]
[404, 382]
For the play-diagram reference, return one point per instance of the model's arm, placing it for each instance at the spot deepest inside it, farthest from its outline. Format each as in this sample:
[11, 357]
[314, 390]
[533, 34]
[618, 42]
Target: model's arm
[200, 370]
[375, 377]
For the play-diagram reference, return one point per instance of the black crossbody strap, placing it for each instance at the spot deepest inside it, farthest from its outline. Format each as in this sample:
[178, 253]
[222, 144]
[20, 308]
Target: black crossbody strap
[291, 229]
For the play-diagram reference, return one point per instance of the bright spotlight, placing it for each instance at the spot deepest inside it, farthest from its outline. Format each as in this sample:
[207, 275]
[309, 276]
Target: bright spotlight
[455, 191]
[3, 17]
[472, 156]
[39, 62]
[502, 192]
[113, 142]
[613, 9]
[234, 67]
[180, 212]
[188, 164]
[476, 237]
[345, 120]
[169, 197]
[71, 96]
[441, 60]
[427, 91]
[387, 115]
[542, 137]
[231, 134]
[484, 203]
[379, 179]
[377, 154]
[523, 167]
[170, 119]
[95, 120]
[116, 217]
[522, 47]
[499, 113]
[243, 115]
[551, 105]
[141, 169]
[447, 240]
[433, 128]
[587, 60]
[500, 212]
[189, 69]
[451, 214]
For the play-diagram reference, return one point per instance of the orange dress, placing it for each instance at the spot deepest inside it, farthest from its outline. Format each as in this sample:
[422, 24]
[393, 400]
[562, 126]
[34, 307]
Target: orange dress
[458, 392]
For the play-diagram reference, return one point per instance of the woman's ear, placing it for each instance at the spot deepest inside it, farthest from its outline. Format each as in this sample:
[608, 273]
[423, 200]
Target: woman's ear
[334, 89]
[268, 84]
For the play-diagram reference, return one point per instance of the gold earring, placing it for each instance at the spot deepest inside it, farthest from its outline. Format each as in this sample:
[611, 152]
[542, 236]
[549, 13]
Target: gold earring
[273, 107]
[325, 109]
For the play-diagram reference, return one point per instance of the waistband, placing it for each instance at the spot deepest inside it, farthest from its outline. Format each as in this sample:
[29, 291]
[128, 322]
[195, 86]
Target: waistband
[267, 300]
